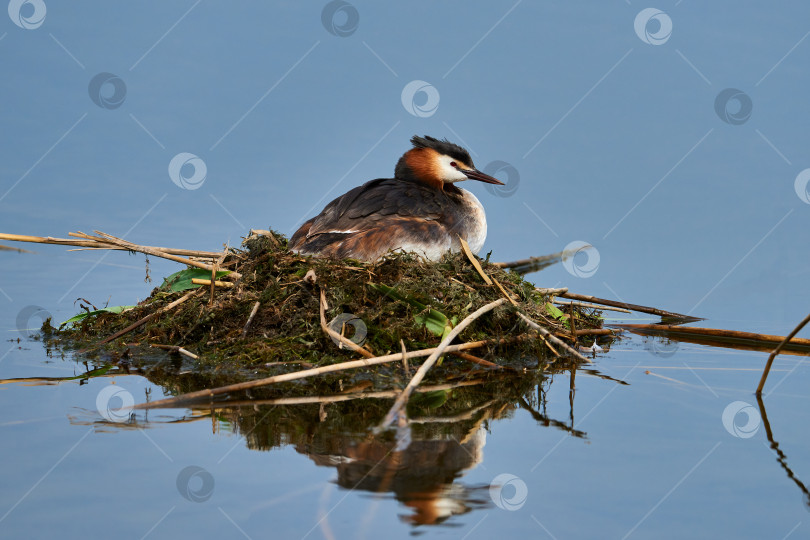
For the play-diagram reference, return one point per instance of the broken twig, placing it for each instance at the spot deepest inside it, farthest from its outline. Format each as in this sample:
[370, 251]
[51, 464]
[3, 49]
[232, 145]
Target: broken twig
[331, 333]
[554, 339]
[177, 349]
[250, 319]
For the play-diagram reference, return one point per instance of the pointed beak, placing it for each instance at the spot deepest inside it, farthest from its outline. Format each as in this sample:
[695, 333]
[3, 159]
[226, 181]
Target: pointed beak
[475, 174]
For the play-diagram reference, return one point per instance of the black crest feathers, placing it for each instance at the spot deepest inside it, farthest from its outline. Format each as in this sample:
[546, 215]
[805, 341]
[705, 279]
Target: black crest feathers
[443, 147]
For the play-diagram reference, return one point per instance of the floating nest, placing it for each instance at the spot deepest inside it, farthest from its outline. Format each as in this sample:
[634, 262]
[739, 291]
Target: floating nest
[268, 319]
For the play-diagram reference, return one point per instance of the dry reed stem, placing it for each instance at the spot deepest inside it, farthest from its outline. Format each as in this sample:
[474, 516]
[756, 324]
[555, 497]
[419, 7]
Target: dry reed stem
[365, 362]
[177, 349]
[224, 284]
[776, 351]
[506, 294]
[572, 322]
[250, 319]
[598, 331]
[591, 306]
[431, 360]
[214, 270]
[475, 359]
[140, 322]
[110, 239]
[530, 261]
[474, 261]
[552, 349]
[346, 341]
[551, 291]
[268, 234]
[554, 339]
[632, 307]
[405, 367]
[96, 244]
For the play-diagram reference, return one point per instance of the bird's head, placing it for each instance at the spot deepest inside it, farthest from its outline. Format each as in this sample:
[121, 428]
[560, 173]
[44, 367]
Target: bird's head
[438, 163]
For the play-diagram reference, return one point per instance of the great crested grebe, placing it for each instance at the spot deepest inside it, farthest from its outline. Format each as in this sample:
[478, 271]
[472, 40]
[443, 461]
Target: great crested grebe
[419, 210]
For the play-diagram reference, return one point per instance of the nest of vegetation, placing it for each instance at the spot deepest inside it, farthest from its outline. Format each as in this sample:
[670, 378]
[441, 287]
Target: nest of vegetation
[398, 300]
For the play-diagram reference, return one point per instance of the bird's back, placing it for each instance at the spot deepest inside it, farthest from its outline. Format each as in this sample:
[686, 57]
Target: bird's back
[389, 214]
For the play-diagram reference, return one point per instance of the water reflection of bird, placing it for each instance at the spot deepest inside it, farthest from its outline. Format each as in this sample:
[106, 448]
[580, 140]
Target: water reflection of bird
[424, 476]
[419, 210]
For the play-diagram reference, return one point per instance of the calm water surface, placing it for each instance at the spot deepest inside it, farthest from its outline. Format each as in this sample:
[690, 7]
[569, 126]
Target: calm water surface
[674, 141]
[648, 459]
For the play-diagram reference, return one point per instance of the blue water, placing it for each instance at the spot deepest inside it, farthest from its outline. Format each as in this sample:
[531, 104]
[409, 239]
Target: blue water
[618, 137]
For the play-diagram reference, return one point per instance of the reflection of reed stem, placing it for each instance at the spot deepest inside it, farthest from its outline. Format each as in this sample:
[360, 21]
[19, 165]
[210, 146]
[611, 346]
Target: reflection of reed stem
[782, 458]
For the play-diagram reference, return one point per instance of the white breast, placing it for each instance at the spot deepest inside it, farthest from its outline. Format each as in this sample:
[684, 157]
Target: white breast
[475, 221]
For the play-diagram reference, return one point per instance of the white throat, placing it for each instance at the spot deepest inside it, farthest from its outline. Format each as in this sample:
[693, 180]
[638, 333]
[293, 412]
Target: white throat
[449, 173]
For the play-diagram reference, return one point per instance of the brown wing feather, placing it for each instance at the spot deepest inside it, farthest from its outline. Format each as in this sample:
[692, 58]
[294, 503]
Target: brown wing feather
[375, 215]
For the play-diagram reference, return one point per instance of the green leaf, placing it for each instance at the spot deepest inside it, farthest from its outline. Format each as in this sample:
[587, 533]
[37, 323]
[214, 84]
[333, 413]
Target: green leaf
[82, 316]
[435, 321]
[396, 295]
[181, 281]
[554, 311]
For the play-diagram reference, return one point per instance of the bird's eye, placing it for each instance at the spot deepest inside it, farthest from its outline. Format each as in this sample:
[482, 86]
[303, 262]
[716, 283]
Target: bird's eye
[454, 164]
